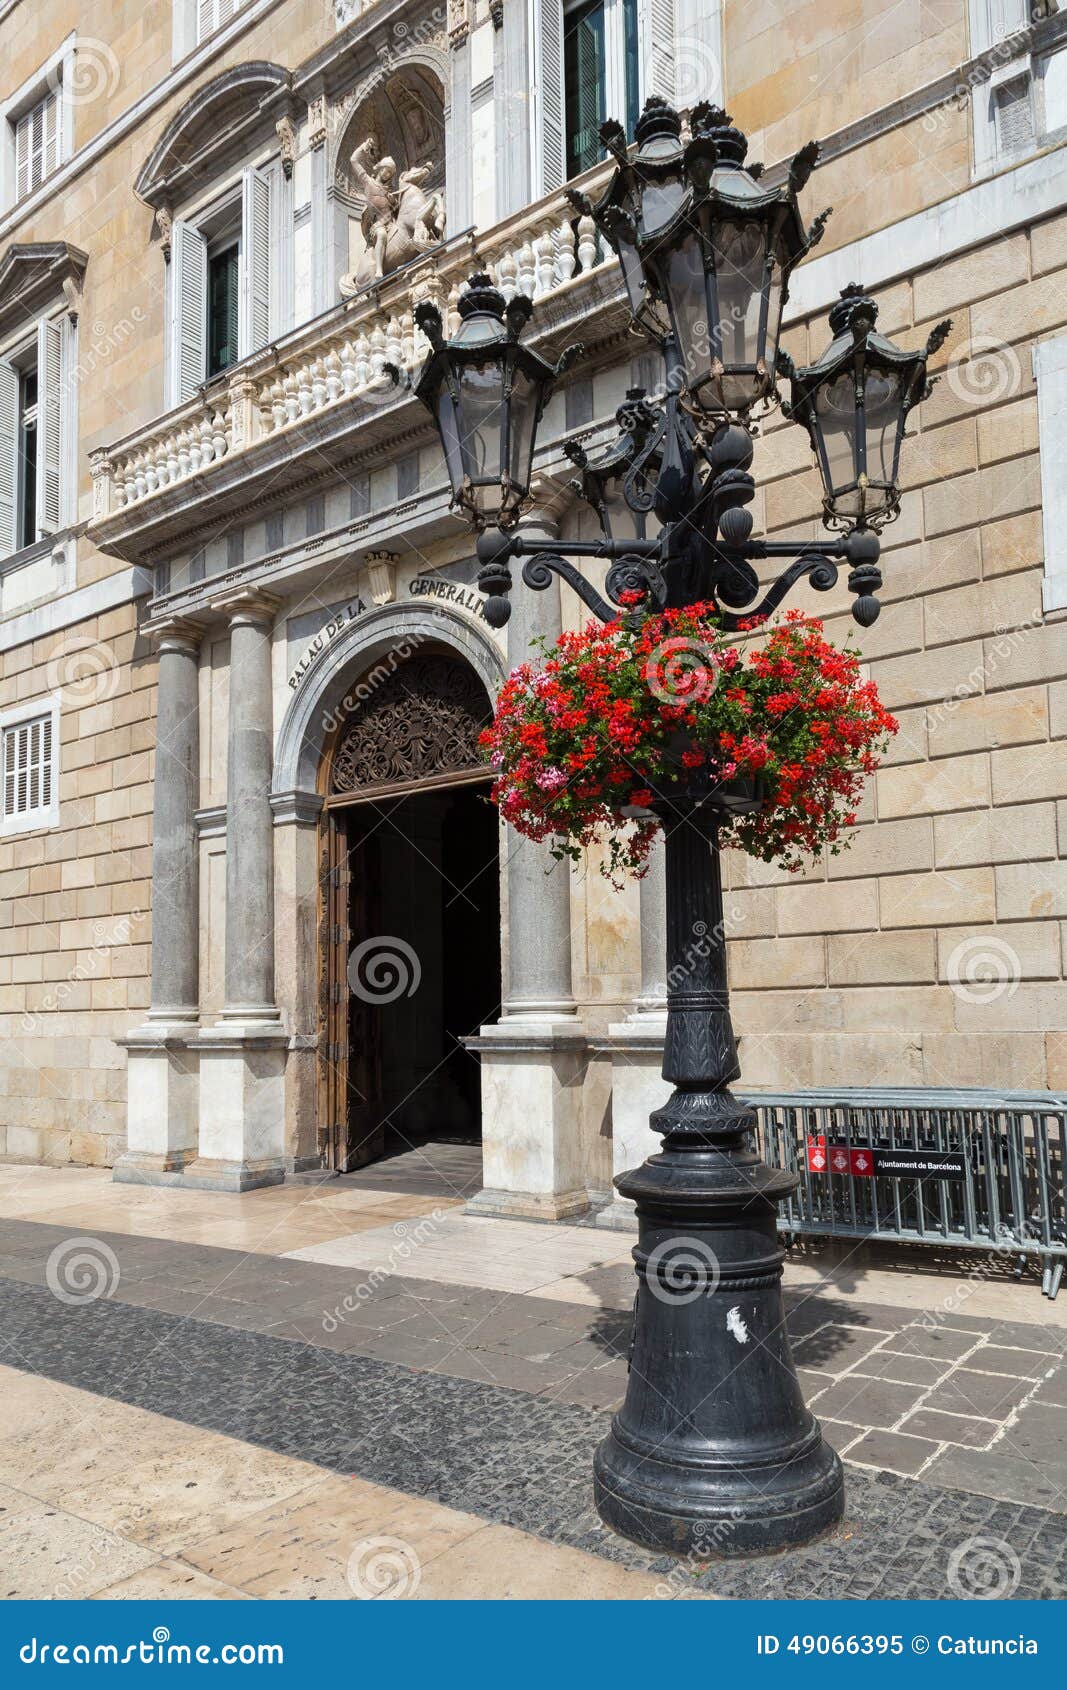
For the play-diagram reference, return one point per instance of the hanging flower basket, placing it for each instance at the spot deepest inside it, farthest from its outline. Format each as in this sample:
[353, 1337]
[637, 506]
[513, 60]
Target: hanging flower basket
[766, 739]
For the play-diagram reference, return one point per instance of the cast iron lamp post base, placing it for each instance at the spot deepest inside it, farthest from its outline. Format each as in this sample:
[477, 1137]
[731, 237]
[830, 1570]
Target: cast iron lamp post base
[713, 1451]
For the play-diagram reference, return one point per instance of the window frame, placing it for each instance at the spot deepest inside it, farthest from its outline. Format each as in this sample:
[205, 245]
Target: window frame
[51, 78]
[46, 816]
[55, 479]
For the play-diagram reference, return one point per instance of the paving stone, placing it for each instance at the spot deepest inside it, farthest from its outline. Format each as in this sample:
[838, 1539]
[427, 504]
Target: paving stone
[1004, 1473]
[939, 1342]
[989, 1395]
[950, 1428]
[893, 1450]
[868, 1402]
[903, 1369]
[1019, 1364]
[835, 1348]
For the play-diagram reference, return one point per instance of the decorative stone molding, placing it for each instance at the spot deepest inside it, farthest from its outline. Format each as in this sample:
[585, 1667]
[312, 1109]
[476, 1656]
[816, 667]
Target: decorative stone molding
[459, 22]
[318, 121]
[250, 605]
[211, 821]
[165, 226]
[32, 275]
[381, 570]
[301, 808]
[285, 129]
[217, 122]
[340, 361]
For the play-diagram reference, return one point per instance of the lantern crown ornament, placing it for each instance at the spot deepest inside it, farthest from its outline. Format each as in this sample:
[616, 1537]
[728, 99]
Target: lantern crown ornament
[486, 391]
[855, 401]
[706, 250]
[620, 483]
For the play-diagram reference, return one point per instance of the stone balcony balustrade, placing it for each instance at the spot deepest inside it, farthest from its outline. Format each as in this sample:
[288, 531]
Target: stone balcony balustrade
[302, 397]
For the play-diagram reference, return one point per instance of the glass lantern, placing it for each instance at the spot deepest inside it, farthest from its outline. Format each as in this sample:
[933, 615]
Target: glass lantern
[854, 402]
[486, 393]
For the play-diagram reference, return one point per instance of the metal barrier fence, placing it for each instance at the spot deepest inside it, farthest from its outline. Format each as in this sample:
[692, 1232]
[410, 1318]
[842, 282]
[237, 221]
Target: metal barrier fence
[976, 1170]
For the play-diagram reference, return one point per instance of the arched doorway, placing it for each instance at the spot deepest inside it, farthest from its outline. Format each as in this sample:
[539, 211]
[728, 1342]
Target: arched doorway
[409, 923]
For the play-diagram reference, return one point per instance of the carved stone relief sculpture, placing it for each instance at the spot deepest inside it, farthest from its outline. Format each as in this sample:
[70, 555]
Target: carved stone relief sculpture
[400, 218]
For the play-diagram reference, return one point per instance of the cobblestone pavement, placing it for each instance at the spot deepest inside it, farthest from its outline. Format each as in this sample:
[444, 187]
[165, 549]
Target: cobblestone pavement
[464, 1414]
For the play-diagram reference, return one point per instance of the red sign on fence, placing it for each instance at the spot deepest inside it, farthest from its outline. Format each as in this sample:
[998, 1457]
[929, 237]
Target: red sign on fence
[838, 1159]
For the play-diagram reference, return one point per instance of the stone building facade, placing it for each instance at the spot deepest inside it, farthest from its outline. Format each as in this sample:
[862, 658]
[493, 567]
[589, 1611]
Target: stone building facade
[254, 913]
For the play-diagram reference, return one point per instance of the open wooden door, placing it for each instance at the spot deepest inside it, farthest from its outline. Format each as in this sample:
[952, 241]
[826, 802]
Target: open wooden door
[366, 1124]
[334, 877]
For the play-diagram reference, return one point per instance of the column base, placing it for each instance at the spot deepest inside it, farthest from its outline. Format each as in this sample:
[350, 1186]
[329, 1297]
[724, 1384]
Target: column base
[532, 1073]
[162, 1097]
[528, 1205]
[212, 1174]
[617, 1216]
[142, 1168]
[242, 1108]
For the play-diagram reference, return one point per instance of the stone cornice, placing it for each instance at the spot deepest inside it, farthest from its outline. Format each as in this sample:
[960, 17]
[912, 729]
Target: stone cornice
[32, 274]
[220, 118]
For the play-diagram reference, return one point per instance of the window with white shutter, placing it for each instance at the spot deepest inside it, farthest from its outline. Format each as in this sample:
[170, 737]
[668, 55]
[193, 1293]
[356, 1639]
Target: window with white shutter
[546, 42]
[657, 48]
[212, 14]
[255, 263]
[188, 292]
[49, 426]
[9, 423]
[29, 772]
[36, 144]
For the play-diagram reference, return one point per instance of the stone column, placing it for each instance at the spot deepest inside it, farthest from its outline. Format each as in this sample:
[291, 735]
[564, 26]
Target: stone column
[242, 1058]
[533, 1059]
[161, 1133]
[636, 1048]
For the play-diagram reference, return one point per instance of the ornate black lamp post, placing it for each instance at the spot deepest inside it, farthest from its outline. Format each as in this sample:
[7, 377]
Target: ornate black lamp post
[713, 1447]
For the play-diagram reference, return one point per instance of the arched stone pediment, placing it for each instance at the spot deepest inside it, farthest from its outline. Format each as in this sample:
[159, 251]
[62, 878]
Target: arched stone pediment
[32, 273]
[328, 689]
[220, 118]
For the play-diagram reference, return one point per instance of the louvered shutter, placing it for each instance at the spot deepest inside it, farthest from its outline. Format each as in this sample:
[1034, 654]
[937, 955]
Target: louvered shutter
[657, 49]
[546, 36]
[49, 110]
[255, 263]
[49, 425]
[188, 311]
[23, 155]
[28, 770]
[9, 421]
[1005, 17]
[205, 19]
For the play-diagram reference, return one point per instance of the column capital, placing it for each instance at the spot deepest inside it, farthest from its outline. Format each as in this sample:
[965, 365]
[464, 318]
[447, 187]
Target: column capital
[179, 633]
[551, 497]
[248, 606]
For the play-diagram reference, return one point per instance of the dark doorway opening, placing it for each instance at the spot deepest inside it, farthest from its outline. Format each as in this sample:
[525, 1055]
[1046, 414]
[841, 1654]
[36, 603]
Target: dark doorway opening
[423, 966]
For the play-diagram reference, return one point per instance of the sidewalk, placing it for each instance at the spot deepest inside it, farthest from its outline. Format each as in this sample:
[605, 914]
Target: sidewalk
[355, 1388]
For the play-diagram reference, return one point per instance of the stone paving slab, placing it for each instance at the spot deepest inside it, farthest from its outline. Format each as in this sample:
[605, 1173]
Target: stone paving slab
[500, 1455]
[893, 1390]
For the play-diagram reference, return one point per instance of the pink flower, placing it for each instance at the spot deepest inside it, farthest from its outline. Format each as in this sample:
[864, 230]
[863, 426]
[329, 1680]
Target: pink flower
[550, 780]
